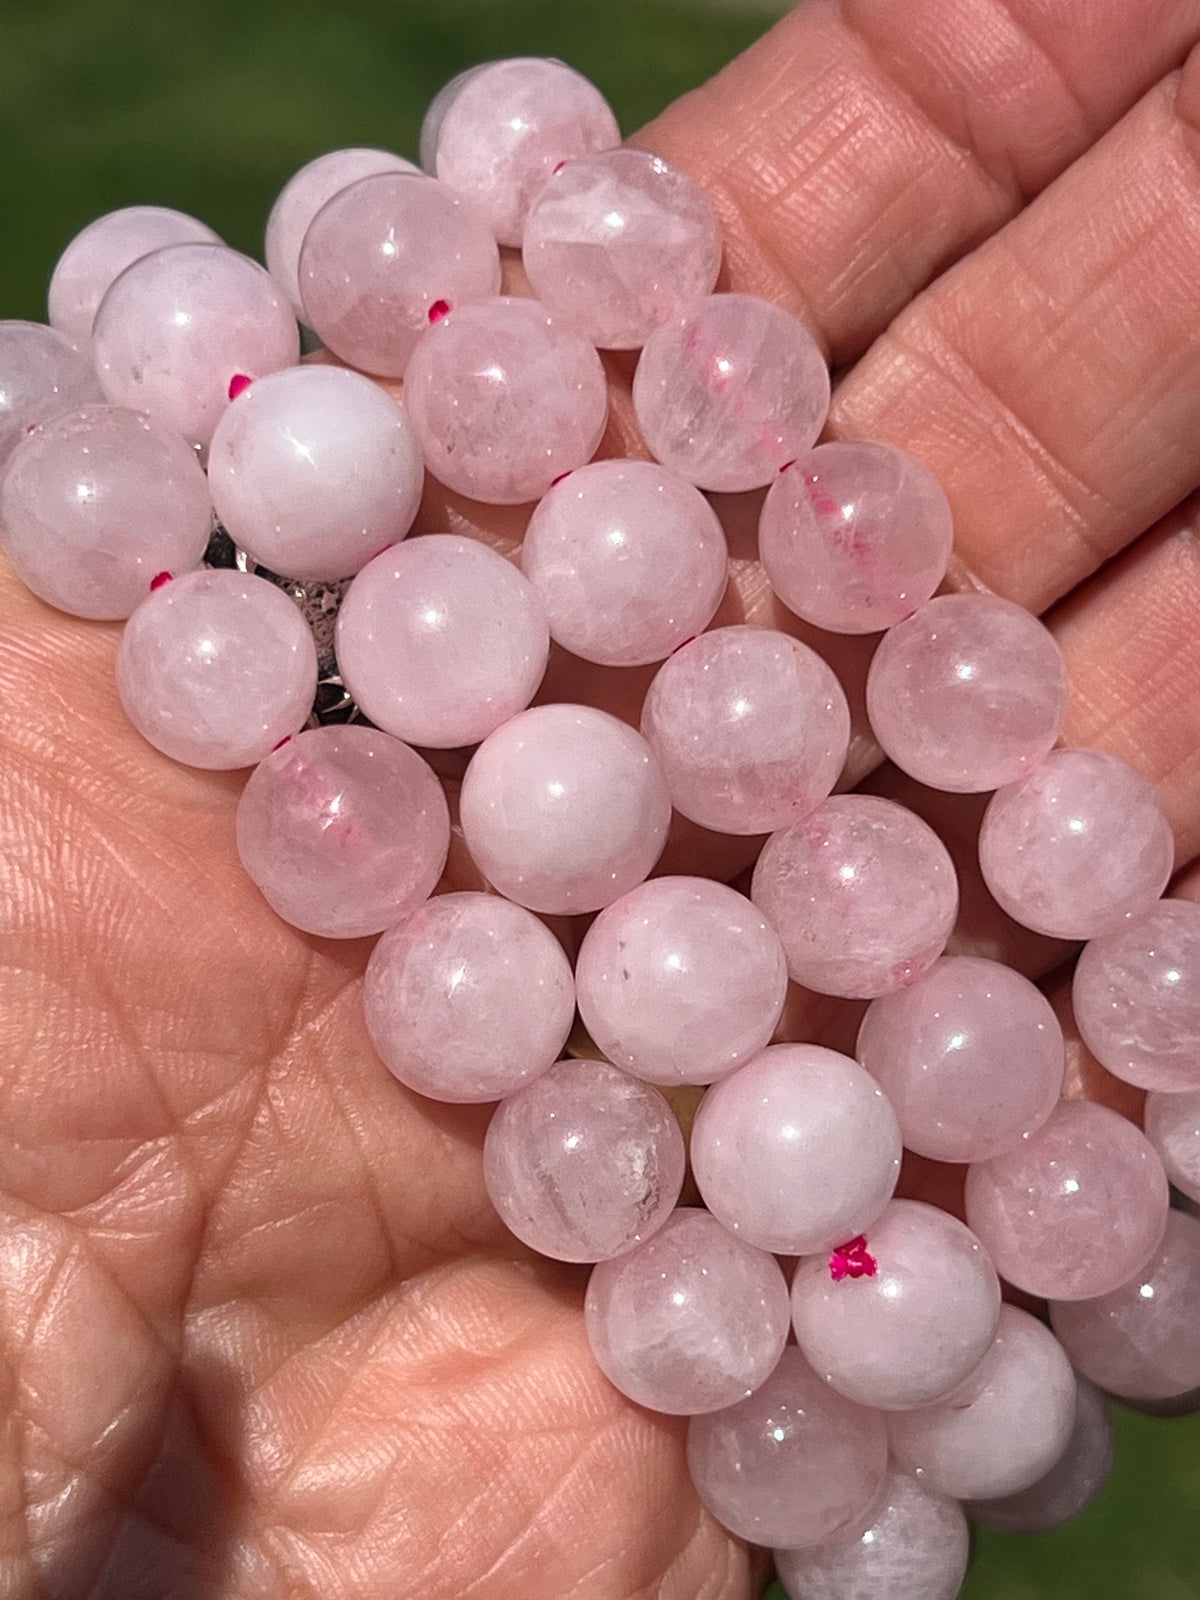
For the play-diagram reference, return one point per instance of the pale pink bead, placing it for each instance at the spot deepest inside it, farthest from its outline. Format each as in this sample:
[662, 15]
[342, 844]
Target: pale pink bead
[1079, 848]
[468, 998]
[908, 1334]
[344, 829]
[751, 728]
[916, 1547]
[798, 1151]
[855, 536]
[1000, 1430]
[1075, 1209]
[303, 195]
[505, 400]
[1136, 998]
[180, 324]
[731, 393]
[680, 981]
[971, 1056]
[496, 133]
[42, 374]
[385, 257]
[564, 809]
[629, 559]
[1173, 1128]
[968, 693]
[862, 894]
[1142, 1340]
[1071, 1485]
[584, 1162]
[618, 243]
[96, 503]
[103, 250]
[215, 668]
[692, 1320]
[793, 1463]
[441, 640]
[314, 470]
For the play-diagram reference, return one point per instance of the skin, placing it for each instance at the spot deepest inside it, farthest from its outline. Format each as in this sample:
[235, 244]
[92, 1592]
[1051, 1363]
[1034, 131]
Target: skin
[261, 1337]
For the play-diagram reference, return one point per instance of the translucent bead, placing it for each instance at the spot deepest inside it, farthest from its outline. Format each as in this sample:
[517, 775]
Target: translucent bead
[102, 251]
[968, 694]
[798, 1151]
[862, 894]
[731, 393]
[42, 374]
[629, 559]
[916, 1547]
[385, 257]
[505, 400]
[855, 536]
[179, 325]
[693, 1320]
[441, 640]
[971, 1056]
[1071, 1485]
[751, 728]
[1074, 1210]
[496, 133]
[911, 1332]
[96, 504]
[469, 998]
[584, 1162]
[1079, 848]
[215, 668]
[620, 242]
[1136, 998]
[1000, 1430]
[1173, 1128]
[680, 981]
[314, 470]
[345, 831]
[790, 1465]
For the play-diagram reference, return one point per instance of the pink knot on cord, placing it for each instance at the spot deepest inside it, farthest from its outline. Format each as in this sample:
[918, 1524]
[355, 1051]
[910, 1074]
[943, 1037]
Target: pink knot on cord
[438, 310]
[158, 580]
[238, 384]
[852, 1260]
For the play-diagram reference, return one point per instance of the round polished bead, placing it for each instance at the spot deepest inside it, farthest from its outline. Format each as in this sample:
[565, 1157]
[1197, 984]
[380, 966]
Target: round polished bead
[42, 374]
[1072, 1483]
[1173, 1128]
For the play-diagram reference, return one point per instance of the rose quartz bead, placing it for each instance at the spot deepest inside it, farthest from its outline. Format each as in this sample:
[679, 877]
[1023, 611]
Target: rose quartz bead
[103, 250]
[505, 400]
[1071, 1485]
[441, 640]
[584, 1162]
[680, 981]
[618, 243]
[855, 536]
[385, 257]
[916, 1547]
[215, 668]
[629, 559]
[798, 1151]
[178, 326]
[345, 831]
[906, 1336]
[969, 693]
[303, 195]
[1142, 1340]
[564, 809]
[314, 470]
[1173, 1128]
[1004, 1427]
[731, 393]
[97, 503]
[468, 998]
[751, 728]
[790, 1465]
[1136, 998]
[1079, 848]
[862, 894]
[693, 1320]
[42, 374]
[496, 133]
[971, 1057]
[1075, 1209]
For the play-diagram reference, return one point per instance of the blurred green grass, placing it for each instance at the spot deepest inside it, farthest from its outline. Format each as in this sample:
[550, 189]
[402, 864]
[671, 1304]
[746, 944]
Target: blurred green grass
[209, 107]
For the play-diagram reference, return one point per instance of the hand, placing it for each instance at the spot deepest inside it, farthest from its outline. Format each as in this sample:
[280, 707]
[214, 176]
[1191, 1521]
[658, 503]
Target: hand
[261, 1335]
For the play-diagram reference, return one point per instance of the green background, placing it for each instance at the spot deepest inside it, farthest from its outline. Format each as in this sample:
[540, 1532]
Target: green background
[209, 107]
